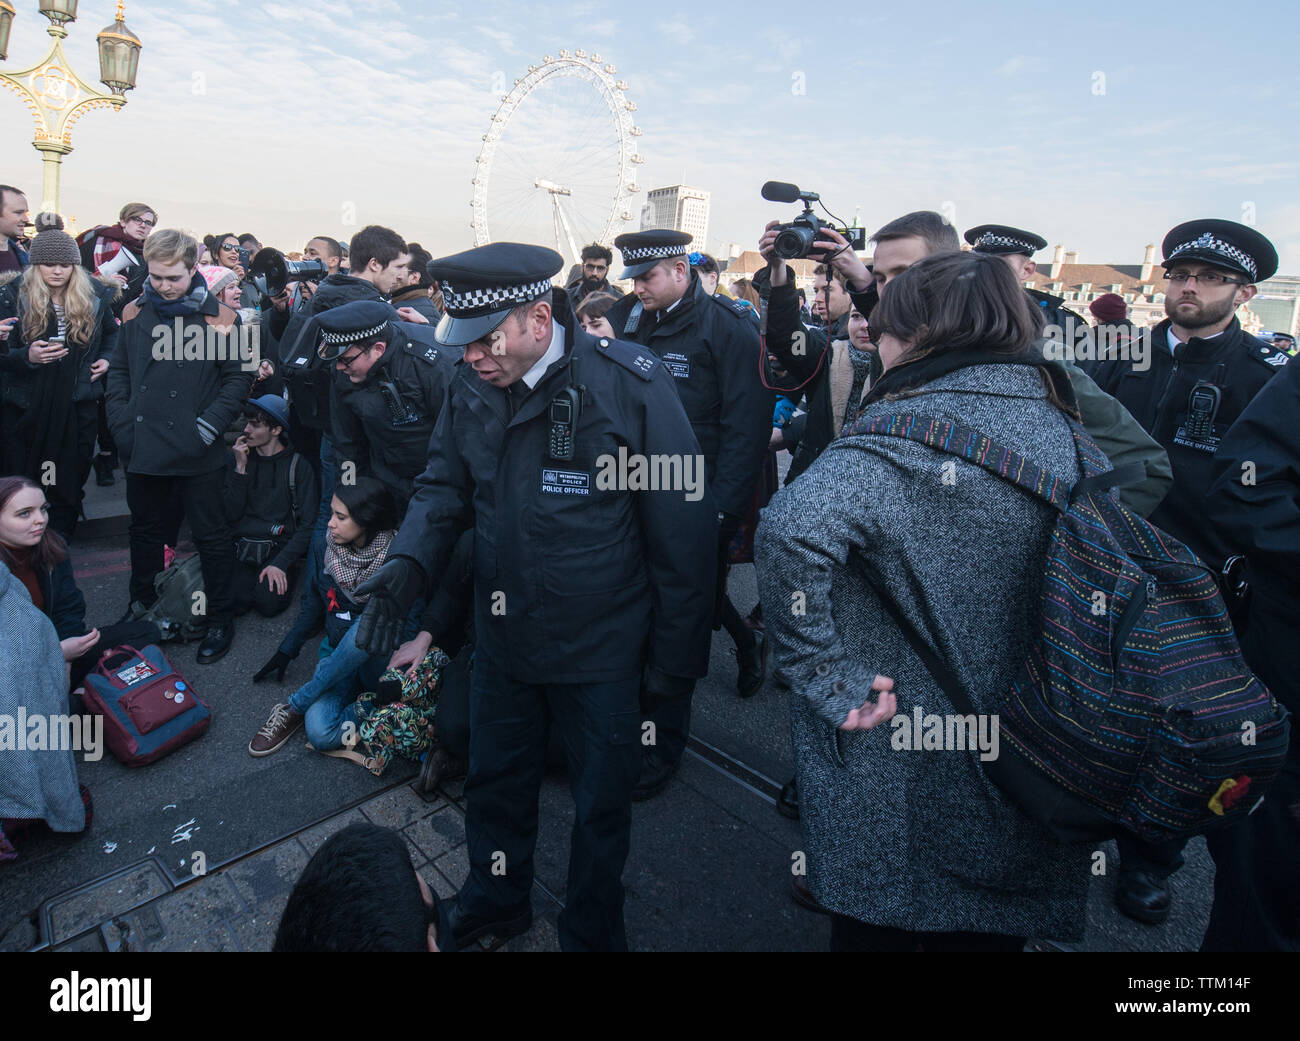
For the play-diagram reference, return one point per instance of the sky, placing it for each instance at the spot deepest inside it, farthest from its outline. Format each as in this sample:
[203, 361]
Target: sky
[1098, 126]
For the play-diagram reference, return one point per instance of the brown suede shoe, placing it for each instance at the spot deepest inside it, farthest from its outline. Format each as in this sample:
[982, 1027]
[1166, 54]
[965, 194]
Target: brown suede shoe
[282, 725]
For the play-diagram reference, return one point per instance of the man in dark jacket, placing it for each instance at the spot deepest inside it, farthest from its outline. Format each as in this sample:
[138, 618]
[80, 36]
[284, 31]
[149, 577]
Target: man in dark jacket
[1203, 371]
[271, 498]
[589, 586]
[168, 402]
[1255, 505]
[595, 270]
[414, 288]
[13, 219]
[710, 346]
[395, 378]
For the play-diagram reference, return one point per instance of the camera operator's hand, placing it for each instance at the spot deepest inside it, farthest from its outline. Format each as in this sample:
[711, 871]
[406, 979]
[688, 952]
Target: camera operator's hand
[392, 590]
[848, 263]
[766, 248]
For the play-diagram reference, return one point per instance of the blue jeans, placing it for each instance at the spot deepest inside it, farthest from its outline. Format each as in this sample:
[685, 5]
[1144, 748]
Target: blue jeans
[328, 699]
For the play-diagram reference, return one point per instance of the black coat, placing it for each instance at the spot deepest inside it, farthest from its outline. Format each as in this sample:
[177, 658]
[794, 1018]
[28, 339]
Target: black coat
[1255, 505]
[156, 403]
[710, 345]
[417, 298]
[383, 423]
[574, 582]
[64, 604]
[309, 389]
[263, 498]
[1158, 398]
[16, 370]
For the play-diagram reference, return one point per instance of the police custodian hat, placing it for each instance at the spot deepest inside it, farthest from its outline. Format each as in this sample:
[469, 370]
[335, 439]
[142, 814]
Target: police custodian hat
[1224, 244]
[642, 250]
[1002, 240]
[481, 286]
[361, 321]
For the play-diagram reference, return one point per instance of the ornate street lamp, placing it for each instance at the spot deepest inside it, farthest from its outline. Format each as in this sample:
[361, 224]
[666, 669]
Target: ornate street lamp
[56, 96]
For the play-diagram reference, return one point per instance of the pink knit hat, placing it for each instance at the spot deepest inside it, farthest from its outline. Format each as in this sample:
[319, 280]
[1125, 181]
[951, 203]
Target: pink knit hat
[216, 277]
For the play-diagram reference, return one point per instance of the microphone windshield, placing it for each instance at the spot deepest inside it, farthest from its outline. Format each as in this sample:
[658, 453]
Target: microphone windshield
[781, 191]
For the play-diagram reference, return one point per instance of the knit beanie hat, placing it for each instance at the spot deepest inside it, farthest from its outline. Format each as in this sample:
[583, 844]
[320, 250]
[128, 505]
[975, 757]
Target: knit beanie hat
[53, 245]
[1109, 307]
[216, 277]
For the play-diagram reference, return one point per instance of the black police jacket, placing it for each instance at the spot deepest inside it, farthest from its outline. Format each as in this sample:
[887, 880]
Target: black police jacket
[308, 377]
[709, 344]
[383, 423]
[1255, 505]
[578, 578]
[1187, 401]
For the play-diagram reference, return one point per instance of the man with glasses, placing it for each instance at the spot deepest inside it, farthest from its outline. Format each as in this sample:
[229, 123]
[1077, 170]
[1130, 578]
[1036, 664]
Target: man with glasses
[385, 405]
[1204, 370]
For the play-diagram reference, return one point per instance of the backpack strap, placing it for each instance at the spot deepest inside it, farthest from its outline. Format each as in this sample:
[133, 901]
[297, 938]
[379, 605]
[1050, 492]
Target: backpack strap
[982, 451]
[293, 486]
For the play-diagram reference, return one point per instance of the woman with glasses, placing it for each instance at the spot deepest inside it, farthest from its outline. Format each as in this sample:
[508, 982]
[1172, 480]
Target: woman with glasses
[910, 847]
[57, 330]
[227, 255]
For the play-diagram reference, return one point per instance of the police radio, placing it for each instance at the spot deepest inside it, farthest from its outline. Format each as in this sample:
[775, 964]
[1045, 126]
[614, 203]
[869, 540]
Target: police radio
[564, 420]
[1202, 407]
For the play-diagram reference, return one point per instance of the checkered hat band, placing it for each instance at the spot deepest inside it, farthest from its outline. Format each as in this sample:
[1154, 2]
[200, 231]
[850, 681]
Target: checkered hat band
[639, 254]
[989, 240]
[353, 337]
[1224, 249]
[485, 301]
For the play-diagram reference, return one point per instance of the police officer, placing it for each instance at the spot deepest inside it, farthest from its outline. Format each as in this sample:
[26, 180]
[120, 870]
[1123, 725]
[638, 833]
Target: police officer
[590, 589]
[710, 346]
[1017, 248]
[393, 379]
[1204, 370]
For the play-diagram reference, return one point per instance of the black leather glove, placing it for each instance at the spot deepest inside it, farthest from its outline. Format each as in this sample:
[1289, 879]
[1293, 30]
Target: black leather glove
[278, 664]
[392, 591]
[657, 687]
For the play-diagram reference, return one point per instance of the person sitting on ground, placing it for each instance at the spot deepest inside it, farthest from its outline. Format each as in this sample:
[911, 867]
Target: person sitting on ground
[271, 500]
[360, 892]
[591, 314]
[35, 786]
[38, 557]
[360, 530]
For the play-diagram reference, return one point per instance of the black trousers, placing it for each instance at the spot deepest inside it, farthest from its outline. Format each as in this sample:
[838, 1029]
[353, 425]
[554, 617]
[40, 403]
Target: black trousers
[509, 724]
[64, 497]
[250, 594]
[849, 934]
[203, 497]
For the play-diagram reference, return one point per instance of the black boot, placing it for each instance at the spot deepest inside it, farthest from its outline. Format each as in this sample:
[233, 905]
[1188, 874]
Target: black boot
[104, 470]
[1142, 896]
[753, 667]
[655, 775]
[216, 643]
[787, 802]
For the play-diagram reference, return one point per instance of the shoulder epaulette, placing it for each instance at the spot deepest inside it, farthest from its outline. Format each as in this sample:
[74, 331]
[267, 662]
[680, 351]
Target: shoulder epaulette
[735, 308]
[1265, 353]
[419, 349]
[629, 355]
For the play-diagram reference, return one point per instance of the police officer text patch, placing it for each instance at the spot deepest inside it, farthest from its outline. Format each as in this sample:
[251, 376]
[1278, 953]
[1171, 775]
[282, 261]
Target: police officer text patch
[566, 482]
[678, 364]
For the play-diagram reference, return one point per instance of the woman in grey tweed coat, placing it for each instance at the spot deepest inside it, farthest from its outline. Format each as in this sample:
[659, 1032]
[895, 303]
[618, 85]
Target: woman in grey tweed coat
[913, 841]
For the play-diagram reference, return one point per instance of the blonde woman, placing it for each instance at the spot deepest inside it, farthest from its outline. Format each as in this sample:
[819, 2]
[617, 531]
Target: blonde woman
[56, 330]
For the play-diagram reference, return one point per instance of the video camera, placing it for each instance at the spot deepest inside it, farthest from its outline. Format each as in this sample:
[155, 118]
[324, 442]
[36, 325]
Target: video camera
[794, 240]
[271, 272]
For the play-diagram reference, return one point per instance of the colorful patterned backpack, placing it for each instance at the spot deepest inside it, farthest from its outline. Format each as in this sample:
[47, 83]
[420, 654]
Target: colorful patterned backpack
[1134, 710]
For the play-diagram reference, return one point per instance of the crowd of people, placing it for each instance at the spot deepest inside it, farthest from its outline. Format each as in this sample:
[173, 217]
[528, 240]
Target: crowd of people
[419, 449]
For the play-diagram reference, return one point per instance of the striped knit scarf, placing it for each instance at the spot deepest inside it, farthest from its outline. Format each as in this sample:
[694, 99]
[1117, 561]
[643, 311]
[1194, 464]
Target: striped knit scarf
[350, 567]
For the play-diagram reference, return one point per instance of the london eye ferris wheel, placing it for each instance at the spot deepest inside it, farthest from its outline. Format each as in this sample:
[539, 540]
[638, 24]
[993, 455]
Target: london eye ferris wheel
[558, 161]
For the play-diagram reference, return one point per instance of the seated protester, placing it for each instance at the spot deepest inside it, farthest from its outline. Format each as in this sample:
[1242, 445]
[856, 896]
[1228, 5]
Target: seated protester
[35, 785]
[591, 314]
[911, 850]
[38, 557]
[360, 892]
[53, 369]
[361, 528]
[271, 502]
[416, 289]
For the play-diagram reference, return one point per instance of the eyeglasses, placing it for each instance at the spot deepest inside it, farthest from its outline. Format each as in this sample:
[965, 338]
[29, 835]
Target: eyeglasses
[230, 247]
[142, 222]
[1205, 278]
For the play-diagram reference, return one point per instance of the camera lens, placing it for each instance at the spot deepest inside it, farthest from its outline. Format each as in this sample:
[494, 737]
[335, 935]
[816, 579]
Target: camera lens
[793, 243]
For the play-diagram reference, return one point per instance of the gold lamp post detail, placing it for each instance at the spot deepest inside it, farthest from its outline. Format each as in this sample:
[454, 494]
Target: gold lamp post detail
[56, 96]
